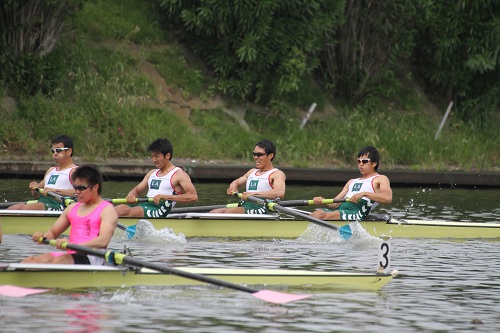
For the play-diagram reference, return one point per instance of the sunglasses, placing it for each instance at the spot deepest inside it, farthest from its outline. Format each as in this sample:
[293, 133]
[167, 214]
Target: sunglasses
[364, 160]
[80, 187]
[258, 154]
[58, 150]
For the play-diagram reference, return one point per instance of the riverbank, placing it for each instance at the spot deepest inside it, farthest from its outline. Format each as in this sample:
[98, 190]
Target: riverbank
[135, 169]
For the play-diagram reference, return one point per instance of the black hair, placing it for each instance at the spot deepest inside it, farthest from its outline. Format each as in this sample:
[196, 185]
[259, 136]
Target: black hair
[372, 153]
[65, 140]
[90, 173]
[268, 146]
[161, 146]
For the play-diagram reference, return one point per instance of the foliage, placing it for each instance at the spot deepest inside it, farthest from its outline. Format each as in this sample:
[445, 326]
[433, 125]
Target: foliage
[129, 20]
[29, 31]
[257, 50]
[458, 54]
[107, 102]
[360, 57]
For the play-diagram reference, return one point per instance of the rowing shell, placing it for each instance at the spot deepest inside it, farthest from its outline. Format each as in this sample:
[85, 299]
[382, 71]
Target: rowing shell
[83, 276]
[265, 226]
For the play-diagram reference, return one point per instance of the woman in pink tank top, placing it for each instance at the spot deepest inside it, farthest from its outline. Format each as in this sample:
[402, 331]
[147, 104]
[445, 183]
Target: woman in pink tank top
[92, 221]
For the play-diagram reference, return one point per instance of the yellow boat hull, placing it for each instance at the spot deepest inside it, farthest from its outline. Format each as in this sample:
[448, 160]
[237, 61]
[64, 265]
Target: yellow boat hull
[266, 227]
[80, 276]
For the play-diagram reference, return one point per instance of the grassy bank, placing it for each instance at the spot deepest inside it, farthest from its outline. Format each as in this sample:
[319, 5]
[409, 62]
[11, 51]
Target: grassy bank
[124, 81]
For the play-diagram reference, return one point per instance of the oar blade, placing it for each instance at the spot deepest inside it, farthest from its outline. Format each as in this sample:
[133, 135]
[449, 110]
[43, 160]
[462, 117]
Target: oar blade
[131, 230]
[15, 291]
[278, 297]
[345, 231]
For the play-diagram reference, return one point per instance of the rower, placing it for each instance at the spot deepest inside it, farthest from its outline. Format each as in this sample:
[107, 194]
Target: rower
[264, 181]
[364, 193]
[92, 221]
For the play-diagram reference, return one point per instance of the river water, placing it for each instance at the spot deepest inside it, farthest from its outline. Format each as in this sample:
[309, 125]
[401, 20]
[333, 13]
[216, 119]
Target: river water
[444, 285]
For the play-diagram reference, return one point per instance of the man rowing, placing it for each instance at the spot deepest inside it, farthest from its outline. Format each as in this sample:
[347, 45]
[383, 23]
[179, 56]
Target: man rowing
[57, 179]
[166, 185]
[264, 181]
[92, 221]
[364, 193]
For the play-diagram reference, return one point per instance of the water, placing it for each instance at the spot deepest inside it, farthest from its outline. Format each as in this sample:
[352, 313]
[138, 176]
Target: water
[444, 286]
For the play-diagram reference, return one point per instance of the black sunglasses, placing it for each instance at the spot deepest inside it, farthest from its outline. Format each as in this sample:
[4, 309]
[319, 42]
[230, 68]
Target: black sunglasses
[80, 187]
[364, 161]
[258, 154]
[58, 150]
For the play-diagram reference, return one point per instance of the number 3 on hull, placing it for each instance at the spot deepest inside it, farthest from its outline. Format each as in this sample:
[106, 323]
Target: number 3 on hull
[384, 257]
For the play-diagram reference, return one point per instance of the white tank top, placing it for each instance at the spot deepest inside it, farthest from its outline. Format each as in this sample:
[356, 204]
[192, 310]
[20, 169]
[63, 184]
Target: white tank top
[161, 185]
[59, 179]
[260, 183]
[363, 185]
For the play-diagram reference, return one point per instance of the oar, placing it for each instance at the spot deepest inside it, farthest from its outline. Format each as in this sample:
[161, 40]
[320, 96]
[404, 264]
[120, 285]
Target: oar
[119, 258]
[66, 201]
[124, 200]
[8, 204]
[176, 210]
[293, 203]
[131, 229]
[345, 231]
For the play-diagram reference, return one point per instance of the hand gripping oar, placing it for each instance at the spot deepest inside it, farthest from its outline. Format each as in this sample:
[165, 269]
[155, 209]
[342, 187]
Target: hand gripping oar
[66, 201]
[192, 209]
[345, 231]
[131, 229]
[119, 258]
[293, 203]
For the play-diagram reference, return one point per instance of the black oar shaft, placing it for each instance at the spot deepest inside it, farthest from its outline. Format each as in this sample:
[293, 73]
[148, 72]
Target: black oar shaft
[8, 204]
[120, 258]
[275, 206]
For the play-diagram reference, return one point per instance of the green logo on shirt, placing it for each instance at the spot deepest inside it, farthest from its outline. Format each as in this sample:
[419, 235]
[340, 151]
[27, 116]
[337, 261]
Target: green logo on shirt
[356, 187]
[155, 184]
[253, 185]
[52, 180]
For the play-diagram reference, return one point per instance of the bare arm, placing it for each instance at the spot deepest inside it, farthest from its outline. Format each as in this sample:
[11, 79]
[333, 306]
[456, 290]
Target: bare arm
[34, 185]
[61, 224]
[383, 191]
[277, 179]
[139, 189]
[239, 182]
[187, 192]
[341, 195]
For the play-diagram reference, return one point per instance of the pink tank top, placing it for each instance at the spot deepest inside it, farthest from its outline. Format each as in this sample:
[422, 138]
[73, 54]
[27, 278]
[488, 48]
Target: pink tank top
[85, 228]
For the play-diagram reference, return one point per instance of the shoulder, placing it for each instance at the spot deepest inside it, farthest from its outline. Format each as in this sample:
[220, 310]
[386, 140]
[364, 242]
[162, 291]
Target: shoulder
[380, 178]
[278, 173]
[250, 172]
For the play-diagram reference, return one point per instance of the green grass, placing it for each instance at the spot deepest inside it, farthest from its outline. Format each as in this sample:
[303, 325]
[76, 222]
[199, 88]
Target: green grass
[109, 105]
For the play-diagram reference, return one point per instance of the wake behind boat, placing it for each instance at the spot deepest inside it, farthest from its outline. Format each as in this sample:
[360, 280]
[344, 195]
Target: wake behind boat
[267, 226]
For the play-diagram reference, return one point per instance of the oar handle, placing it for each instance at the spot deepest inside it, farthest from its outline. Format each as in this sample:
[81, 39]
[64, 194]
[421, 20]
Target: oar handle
[328, 201]
[64, 200]
[124, 200]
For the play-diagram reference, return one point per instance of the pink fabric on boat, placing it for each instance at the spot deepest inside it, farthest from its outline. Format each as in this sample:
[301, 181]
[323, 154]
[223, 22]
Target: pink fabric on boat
[278, 297]
[15, 291]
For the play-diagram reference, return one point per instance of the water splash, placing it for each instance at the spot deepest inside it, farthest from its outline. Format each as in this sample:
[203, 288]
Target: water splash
[316, 234]
[146, 232]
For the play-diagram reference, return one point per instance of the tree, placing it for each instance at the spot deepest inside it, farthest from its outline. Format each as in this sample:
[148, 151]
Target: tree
[29, 31]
